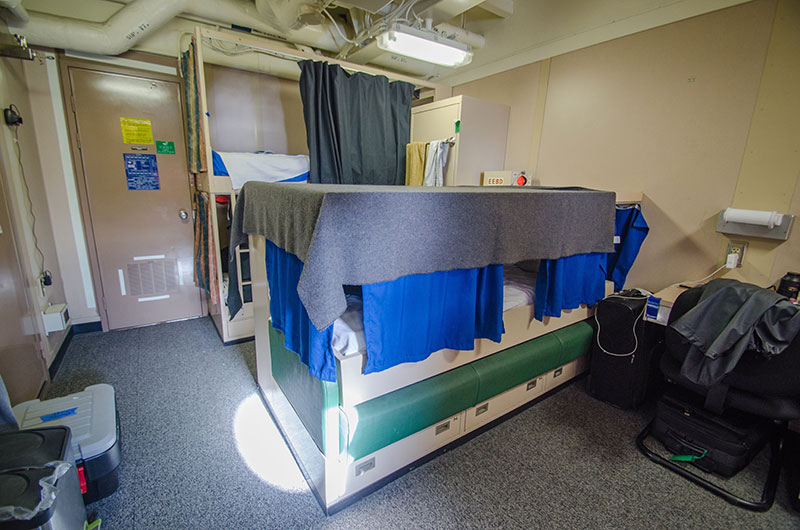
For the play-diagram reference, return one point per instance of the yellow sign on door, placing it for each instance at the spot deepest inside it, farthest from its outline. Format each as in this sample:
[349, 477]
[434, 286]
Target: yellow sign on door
[136, 131]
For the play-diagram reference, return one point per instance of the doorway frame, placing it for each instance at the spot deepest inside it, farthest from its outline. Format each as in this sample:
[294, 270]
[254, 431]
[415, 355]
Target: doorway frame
[65, 62]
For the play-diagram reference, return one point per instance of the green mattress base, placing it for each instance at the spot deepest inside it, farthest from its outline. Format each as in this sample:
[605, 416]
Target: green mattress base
[396, 415]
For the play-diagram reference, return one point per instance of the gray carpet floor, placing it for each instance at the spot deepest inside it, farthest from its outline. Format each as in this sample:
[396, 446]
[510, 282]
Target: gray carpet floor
[187, 403]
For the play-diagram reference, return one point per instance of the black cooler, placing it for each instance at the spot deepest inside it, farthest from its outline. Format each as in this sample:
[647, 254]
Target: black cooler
[622, 356]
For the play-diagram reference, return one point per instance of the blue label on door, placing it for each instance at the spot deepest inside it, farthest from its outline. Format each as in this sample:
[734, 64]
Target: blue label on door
[141, 171]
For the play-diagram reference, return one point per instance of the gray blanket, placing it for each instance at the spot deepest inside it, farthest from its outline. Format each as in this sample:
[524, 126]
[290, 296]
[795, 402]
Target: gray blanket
[729, 318]
[355, 235]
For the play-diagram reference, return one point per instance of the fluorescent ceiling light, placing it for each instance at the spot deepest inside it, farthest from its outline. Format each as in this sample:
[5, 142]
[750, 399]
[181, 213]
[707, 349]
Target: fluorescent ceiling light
[424, 45]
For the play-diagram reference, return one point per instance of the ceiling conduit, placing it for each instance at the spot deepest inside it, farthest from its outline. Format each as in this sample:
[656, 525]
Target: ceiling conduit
[16, 12]
[139, 18]
[123, 30]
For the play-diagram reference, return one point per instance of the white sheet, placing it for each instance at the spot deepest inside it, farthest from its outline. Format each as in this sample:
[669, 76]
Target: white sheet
[263, 167]
[348, 330]
[519, 287]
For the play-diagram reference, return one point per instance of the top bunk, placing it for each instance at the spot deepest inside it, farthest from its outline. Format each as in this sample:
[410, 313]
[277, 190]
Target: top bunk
[241, 124]
[355, 235]
[266, 99]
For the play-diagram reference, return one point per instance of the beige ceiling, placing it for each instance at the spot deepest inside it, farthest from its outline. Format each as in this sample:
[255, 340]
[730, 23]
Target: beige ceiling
[538, 29]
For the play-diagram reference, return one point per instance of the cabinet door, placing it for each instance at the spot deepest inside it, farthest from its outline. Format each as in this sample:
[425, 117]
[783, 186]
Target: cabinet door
[436, 124]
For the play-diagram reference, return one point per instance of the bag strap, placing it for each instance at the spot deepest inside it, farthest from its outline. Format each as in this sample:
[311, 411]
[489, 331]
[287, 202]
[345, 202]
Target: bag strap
[715, 398]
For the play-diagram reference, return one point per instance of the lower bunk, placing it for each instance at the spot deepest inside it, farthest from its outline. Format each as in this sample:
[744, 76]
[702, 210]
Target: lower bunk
[354, 434]
[347, 451]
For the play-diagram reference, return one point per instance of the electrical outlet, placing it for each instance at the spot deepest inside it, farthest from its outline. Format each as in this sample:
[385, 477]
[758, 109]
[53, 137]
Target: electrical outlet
[737, 247]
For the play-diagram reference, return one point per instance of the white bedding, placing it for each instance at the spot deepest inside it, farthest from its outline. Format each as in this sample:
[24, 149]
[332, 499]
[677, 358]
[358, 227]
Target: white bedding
[348, 330]
[263, 167]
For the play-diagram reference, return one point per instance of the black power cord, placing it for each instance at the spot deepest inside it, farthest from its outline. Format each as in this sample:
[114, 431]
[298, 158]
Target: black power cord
[13, 118]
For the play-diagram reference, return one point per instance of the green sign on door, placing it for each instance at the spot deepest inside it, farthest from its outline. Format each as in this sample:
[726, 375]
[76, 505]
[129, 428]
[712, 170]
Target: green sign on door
[165, 148]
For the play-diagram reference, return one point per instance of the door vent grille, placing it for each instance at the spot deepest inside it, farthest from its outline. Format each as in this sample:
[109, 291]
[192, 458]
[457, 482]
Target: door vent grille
[152, 277]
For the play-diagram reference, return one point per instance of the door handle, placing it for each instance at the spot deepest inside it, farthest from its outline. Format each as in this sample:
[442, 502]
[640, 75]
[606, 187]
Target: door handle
[183, 214]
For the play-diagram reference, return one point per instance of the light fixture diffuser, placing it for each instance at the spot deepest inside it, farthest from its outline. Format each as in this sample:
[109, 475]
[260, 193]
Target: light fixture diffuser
[424, 45]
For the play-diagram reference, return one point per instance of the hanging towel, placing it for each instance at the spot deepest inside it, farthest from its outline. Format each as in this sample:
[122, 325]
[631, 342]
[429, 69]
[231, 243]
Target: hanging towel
[205, 262]
[415, 163]
[195, 132]
[436, 162]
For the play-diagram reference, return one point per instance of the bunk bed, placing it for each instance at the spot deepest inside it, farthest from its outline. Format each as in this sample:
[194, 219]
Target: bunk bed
[217, 176]
[357, 430]
[350, 435]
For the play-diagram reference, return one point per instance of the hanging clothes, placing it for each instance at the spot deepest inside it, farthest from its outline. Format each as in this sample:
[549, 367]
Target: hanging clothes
[630, 230]
[195, 145]
[357, 125]
[415, 163]
[436, 162]
[205, 262]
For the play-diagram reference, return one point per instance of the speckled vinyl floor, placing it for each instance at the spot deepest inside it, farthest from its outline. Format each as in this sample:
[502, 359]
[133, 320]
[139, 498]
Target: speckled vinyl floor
[200, 452]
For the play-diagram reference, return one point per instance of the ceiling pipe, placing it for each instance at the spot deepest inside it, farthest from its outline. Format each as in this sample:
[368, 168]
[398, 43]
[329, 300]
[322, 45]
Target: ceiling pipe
[16, 13]
[291, 14]
[122, 31]
[470, 38]
[244, 13]
[135, 21]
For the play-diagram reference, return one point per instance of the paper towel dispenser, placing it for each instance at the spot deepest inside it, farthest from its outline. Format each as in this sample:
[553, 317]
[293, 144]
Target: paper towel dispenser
[755, 223]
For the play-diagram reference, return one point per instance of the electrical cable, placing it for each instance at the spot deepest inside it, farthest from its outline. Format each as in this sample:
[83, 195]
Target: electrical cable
[336, 26]
[696, 281]
[28, 195]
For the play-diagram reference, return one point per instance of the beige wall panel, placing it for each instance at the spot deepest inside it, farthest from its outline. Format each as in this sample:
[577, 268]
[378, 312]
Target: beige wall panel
[787, 257]
[56, 170]
[13, 89]
[771, 166]
[251, 112]
[518, 89]
[665, 112]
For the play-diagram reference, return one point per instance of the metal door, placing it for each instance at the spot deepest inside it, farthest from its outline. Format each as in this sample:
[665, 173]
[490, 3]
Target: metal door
[131, 142]
[21, 363]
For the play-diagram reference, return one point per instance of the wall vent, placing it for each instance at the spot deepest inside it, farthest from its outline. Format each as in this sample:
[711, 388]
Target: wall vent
[152, 277]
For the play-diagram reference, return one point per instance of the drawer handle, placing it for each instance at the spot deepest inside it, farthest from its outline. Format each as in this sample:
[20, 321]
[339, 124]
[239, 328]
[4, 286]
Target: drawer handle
[531, 384]
[480, 410]
[558, 372]
[442, 428]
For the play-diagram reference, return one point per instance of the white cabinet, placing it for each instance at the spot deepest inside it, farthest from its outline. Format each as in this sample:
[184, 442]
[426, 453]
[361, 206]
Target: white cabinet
[480, 129]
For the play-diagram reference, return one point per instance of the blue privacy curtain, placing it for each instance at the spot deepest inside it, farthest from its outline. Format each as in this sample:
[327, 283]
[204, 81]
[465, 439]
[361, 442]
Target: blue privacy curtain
[357, 125]
[631, 229]
[291, 318]
[566, 283]
[405, 320]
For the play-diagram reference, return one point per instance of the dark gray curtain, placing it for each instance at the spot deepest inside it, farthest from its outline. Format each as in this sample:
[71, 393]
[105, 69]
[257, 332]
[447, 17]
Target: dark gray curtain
[357, 125]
